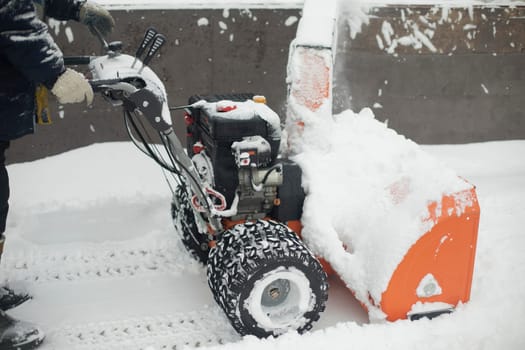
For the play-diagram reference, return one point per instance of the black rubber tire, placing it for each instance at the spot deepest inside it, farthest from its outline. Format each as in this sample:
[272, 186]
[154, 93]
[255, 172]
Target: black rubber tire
[252, 253]
[183, 215]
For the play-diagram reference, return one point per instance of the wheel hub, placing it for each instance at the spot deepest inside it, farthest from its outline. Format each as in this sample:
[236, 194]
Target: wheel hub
[275, 293]
[279, 300]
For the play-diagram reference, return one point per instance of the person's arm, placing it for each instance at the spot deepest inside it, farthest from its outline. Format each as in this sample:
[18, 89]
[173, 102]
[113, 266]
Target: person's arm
[63, 10]
[26, 43]
[84, 11]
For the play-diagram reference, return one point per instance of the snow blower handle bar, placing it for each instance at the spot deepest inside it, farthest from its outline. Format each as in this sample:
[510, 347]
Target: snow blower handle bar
[77, 60]
[136, 100]
[104, 84]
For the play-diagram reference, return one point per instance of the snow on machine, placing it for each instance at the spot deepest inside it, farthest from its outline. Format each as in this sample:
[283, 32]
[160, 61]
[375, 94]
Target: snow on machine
[237, 204]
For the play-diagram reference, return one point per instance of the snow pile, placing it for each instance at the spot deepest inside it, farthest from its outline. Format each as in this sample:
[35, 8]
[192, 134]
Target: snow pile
[368, 190]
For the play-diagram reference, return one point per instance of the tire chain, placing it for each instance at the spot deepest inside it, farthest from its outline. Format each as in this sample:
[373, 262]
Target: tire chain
[184, 221]
[238, 253]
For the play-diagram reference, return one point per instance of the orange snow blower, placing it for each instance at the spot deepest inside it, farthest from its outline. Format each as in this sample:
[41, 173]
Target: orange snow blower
[263, 276]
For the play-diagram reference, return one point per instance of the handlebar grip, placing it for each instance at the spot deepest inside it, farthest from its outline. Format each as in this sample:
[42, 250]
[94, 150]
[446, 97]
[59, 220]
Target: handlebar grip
[148, 37]
[77, 60]
[158, 42]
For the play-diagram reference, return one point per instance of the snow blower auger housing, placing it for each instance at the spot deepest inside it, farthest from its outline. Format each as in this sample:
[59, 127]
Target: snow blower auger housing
[232, 195]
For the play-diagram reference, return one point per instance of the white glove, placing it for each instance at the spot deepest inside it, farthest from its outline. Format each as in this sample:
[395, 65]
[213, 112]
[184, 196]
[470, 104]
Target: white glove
[72, 87]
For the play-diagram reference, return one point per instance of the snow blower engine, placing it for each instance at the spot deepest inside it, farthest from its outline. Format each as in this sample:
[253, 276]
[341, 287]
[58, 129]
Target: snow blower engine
[236, 203]
[233, 141]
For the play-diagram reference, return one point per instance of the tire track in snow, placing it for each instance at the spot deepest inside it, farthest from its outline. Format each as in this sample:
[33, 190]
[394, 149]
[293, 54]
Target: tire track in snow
[194, 329]
[47, 266]
[106, 259]
[94, 262]
[109, 239]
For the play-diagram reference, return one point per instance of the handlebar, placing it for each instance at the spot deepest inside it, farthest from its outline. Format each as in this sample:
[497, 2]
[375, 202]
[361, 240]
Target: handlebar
[77, 60]
[101, 85]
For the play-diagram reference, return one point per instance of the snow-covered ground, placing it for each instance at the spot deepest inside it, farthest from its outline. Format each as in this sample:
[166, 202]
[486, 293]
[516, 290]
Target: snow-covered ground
[90, 237]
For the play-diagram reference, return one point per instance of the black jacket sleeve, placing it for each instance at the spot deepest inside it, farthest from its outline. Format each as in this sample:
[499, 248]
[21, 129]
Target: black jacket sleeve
[26, 43]
[63, 10]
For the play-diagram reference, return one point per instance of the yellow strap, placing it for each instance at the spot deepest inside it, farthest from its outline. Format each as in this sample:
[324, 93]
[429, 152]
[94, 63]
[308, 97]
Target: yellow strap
[43, 115]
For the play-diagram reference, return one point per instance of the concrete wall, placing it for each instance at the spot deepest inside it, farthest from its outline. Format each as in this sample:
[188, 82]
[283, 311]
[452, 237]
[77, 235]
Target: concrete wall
[438, 75]
[463, 83]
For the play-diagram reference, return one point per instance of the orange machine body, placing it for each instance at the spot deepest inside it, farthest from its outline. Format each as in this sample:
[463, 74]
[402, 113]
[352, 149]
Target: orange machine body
[446, 252]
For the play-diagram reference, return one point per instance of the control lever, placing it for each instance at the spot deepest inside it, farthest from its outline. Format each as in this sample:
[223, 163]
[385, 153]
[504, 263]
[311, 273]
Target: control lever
[148, 37]
[103, 41]
[158, 41]
[113, 48]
